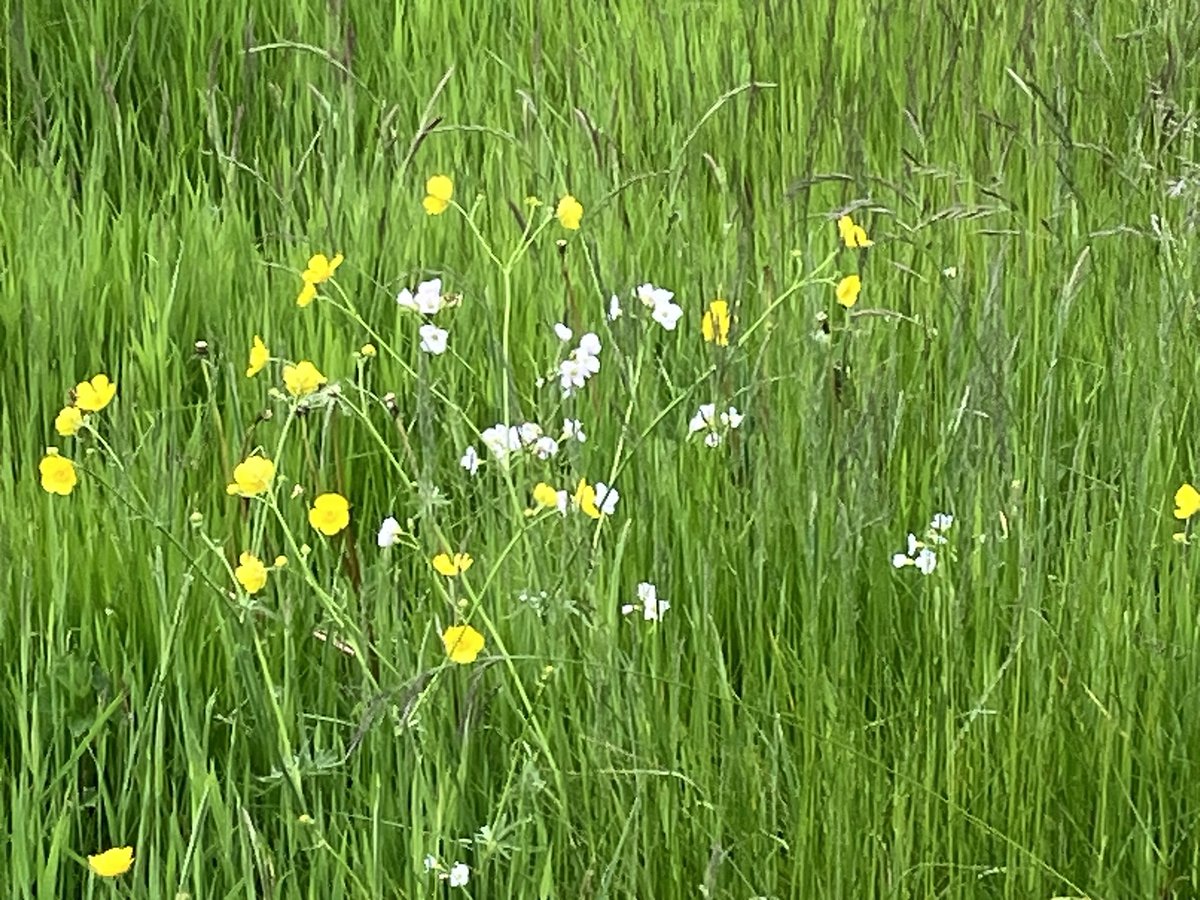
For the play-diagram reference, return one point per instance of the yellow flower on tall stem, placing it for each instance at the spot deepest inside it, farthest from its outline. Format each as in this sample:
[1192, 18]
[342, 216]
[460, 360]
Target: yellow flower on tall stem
[330, 513]
[715, 324]
[252, 476]
[569, 212]
[302, 379]
[438, 191]
[1187, 501]
[848, 290]
[68, 421]
[319, 270]
[853, 235]
[259, 357]
[57, 473]
[111, 863]
[452, 566]
[94, 395]
[463, 643]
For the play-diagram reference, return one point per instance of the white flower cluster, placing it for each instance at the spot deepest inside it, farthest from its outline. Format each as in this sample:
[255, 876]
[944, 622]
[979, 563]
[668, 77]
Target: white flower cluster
[715, 427]
[428, 301]
[504, 441]
[581, 364]
[651, 607]
[659, 301]
[921, 553]
[456, 876]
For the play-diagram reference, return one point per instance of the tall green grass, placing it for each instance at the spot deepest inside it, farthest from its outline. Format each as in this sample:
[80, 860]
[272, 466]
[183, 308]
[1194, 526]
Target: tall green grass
[806, 720]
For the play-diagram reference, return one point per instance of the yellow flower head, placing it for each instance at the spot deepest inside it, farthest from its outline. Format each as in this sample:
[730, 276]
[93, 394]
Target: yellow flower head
[585, 498]
[569, 212]
[438, 191]
[368, 351]
[544, 496]
[57, 472]
[259, 355]
[330, 513]
[302, 379]
[251, 573]
[853, 235]
[111, 863]
[451, 566]
[308, 293]
[68, 421]
[1187, 501]
[848, 290]
[252, 476]
[94, 395]
[280, 562]
[715, 324]
[463, 643]
[321, 268]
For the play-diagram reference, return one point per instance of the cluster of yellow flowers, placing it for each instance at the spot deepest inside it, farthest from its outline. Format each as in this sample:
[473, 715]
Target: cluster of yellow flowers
[57, 473]
[855, 237]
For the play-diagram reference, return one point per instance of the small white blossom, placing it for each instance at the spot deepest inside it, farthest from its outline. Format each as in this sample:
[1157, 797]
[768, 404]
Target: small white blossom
[667, 315]
[389, 532]
[529, 433]
[926, 561]
[470, 460]
[731, 418]
[606, 498]
[545, 447]
[703, 419]
[913, 544]
[563, 332]
[614, 308]
[433, 339]
[589, 344]
[460, 874]
[501, 440]
[712, 439]
[900, 560]
[430, 862]
[652, 296]
[942, 522]
[572, 430]
[652, 608]
[427, 300]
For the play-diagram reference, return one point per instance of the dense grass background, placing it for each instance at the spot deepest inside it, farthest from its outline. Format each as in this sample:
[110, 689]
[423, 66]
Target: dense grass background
[806, 721]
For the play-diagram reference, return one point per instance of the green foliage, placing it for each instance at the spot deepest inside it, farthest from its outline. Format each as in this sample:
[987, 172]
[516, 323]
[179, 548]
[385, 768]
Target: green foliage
[806, 720]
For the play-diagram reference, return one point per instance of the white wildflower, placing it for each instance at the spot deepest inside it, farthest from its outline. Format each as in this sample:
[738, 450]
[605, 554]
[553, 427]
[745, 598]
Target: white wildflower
[470, 460]
[652, 608]
[926, 561]
[389, 532]
[563, 332]
[433, 339]
[572, 430]
[460, 874]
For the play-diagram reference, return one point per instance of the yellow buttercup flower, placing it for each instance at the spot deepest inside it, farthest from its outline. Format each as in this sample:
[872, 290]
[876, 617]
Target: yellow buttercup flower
[848, 290]
[94, 395]
[450, 566]
[545, 496]
[330, 513]
[319, 270]
[57, 473]
[251, 573]
[112, 863]
[252, 476]
[259, 356]
[438, 191]
[1187, 501]
[368, 351]
[569, 212]
[585, 498]
[68, 421]
[302, 379]
[715, 324]
[853, 235]
[463, 643]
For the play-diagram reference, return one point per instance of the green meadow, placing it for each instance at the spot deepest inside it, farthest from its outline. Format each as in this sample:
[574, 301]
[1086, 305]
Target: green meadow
[812, 703]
